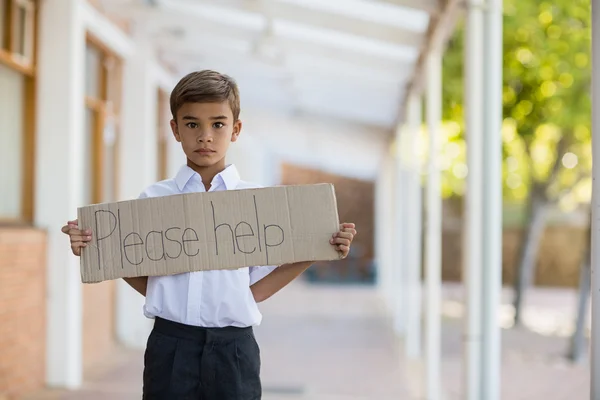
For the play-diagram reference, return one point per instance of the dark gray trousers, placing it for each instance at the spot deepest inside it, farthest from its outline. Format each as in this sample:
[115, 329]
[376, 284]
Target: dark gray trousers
[188, 362]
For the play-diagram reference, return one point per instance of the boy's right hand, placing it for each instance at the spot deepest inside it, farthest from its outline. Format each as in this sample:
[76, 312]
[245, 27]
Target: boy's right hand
[79, 238]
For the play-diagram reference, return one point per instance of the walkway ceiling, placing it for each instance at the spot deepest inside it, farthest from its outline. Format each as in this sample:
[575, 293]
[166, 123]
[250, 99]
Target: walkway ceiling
[348, 59]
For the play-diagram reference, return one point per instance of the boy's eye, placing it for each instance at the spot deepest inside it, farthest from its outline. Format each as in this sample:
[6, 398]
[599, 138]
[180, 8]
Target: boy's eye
[218, 125]
[191, 125]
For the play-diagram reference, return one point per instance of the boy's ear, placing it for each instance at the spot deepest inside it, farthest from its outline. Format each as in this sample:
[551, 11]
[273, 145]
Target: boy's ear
[237, 129]
[175, 130]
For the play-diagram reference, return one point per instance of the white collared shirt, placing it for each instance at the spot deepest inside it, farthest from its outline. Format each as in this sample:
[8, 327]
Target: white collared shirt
[208, 298]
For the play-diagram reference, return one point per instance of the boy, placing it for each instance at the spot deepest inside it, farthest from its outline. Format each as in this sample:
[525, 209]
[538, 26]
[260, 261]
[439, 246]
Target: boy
[202, 345]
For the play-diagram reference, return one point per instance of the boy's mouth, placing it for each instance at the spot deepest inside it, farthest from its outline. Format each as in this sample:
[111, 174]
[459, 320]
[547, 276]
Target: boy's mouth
[204, 151]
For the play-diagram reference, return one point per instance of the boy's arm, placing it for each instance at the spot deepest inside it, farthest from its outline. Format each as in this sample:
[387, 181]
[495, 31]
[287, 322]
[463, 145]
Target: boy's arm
[282, 276]
[80, 238]
[277, 280]
[139, 284]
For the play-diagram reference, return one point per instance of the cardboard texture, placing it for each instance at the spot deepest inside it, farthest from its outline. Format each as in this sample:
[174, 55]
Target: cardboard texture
[209, 231]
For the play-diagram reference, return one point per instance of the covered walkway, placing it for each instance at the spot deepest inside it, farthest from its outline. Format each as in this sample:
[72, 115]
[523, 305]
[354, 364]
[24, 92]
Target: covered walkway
[323, 342]
[345, 87]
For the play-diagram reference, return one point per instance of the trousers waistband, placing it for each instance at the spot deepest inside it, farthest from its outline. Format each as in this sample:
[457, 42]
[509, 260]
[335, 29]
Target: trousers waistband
[191, 332]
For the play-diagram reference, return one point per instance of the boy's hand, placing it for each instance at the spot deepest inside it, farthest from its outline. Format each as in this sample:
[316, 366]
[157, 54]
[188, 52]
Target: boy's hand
[343, 239]
[78, 237]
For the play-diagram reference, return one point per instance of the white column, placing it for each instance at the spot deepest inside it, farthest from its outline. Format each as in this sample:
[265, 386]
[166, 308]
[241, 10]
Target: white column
[139, 141]
[473, 237]
[380, 208]
[175, 157]
[59, 179]
[254, 160]
[492, 203]
[595, 352]
[274, 173]
[413, 228]
[391, 237]
[434, 228]
[398, 238]
[387, 272]
[138, 160]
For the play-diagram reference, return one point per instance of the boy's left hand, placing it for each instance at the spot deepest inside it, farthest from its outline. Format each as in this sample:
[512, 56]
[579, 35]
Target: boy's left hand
[343, 238]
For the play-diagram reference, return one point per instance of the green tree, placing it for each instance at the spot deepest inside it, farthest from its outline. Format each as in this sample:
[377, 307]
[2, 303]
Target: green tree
[547, 114]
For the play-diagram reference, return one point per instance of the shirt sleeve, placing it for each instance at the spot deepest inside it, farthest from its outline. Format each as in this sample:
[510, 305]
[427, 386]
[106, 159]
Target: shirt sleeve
[257, 273]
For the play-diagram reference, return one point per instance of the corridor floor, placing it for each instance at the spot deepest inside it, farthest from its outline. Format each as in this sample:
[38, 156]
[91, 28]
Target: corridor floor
[335, 343]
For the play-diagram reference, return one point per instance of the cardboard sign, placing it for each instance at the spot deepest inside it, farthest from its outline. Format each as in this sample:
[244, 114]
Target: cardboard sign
[209, 231]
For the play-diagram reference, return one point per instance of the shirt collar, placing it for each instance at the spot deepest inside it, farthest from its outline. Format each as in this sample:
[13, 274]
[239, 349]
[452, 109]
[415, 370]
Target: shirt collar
[229, 177]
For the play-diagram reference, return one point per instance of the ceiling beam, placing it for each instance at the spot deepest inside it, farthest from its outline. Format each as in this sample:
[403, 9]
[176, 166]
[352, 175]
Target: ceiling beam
[441, 29]
[165, 23]
[321, 19]
[343, 56]
[429, 6]
[202, 47]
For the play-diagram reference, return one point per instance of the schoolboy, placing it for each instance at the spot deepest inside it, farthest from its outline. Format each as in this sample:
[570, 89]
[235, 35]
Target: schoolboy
[202, 345]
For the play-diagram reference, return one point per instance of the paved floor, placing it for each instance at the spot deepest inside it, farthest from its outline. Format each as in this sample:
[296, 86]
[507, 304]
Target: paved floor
[335, 343]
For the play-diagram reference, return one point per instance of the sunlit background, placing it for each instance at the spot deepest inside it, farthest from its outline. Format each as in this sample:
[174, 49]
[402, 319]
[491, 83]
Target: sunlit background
[332, 91]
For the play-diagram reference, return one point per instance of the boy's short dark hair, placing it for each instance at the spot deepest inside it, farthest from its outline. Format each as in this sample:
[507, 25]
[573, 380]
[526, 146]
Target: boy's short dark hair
[206, 87]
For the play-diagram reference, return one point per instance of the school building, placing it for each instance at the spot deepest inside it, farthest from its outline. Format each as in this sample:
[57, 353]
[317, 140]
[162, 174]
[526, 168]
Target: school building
[340, 87]
[84, 118]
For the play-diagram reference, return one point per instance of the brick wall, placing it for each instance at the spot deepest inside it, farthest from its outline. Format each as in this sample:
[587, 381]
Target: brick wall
[559, 256]
[22, 311]
[355, 204]
[98, 322]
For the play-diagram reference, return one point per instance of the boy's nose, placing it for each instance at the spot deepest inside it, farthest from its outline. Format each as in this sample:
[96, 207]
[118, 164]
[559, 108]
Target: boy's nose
[204, 139]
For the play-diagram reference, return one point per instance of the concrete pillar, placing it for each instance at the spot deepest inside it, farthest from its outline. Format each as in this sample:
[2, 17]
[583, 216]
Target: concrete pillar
[175, 157]
[433, 238]
[380, 204]
[398, 234]
[138, 160]
[492, 203]
[59, 179]
[595, 352]
[473, 237]
[388, 230]
[413, 228]
[383, 223]
[254, 160]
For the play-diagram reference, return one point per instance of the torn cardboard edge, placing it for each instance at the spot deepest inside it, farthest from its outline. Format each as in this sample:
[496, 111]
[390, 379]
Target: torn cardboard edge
[209, 231]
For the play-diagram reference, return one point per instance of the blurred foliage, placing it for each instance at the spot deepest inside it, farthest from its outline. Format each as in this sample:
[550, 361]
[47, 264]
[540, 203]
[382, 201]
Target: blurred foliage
[547, 76]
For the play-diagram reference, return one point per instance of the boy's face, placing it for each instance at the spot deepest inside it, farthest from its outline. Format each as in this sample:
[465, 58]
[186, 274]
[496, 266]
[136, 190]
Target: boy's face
[205, 131]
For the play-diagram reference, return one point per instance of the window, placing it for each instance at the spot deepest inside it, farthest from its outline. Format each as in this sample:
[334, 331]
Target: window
[22, 32]
[109, 160]
[17, 112]
[163, 132]
[3, 24]
[102, 105]
[17, 33]
[12, 98]
[88, 153]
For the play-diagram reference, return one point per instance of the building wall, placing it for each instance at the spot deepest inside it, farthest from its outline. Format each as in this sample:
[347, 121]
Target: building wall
[81, 318]
[355, 200]
[121, 22]
[22, 310]
[98, 322]
[559, 255]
